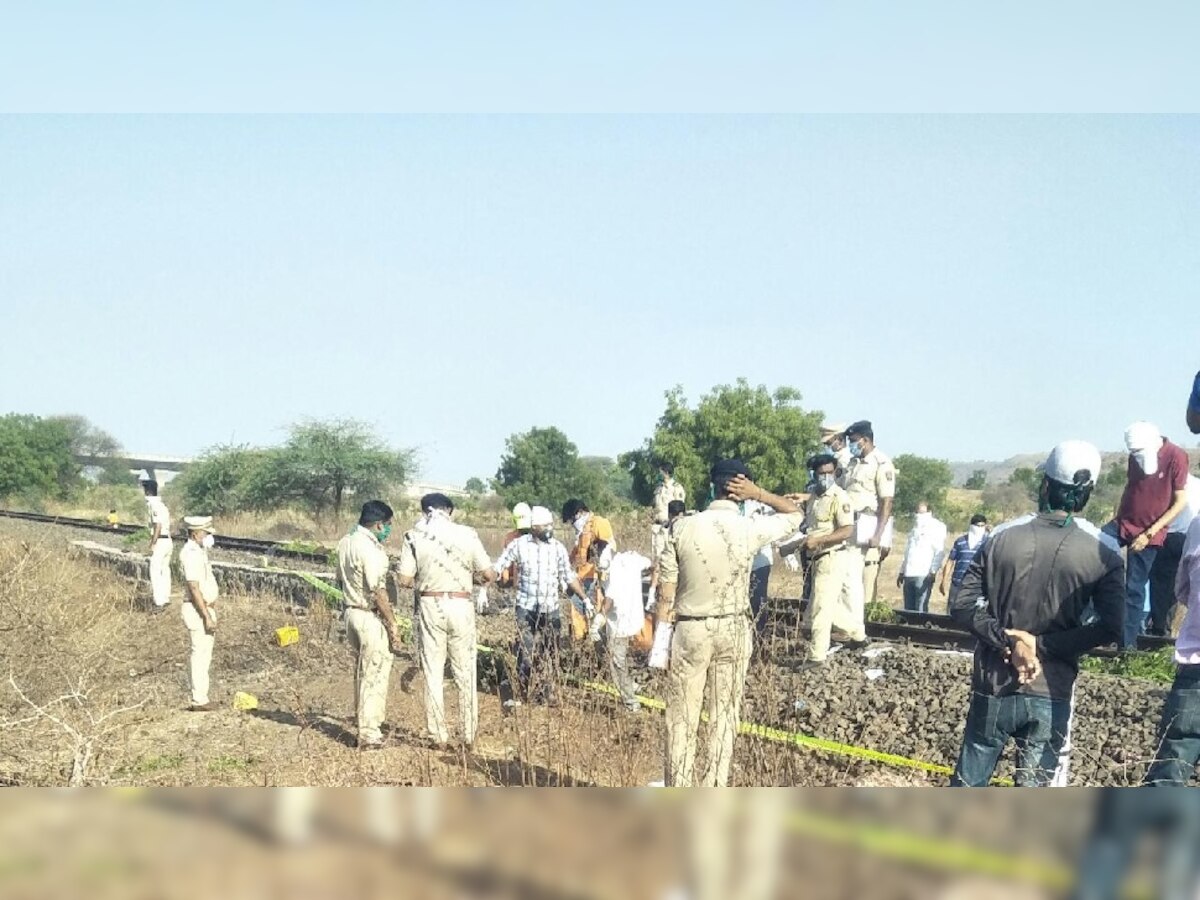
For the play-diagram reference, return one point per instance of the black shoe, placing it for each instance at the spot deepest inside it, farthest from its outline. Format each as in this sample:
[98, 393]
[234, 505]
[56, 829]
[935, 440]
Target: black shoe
[810, 665]
[855, 645]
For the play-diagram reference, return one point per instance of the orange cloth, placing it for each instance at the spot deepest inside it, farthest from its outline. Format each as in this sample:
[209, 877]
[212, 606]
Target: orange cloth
[597, 528]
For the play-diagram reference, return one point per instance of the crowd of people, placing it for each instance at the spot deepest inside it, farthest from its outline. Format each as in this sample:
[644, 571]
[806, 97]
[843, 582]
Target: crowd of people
[1037, 592]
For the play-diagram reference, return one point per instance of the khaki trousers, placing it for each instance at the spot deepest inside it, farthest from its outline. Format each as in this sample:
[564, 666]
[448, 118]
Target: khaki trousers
[871, 565]
[853, 606]
[448, 629]
[160, 571]
[368, 638]
[200, 658]
[827, 610]
[658, 541]
[713, 653]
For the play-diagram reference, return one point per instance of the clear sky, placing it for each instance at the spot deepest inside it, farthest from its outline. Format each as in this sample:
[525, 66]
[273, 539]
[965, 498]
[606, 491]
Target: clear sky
[977, 286]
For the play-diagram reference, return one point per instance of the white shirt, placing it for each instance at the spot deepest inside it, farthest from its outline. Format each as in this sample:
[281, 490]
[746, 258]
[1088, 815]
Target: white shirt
[624, 589]
[1183, 521]
[926, 544]
[196, 567]
[160, 516]
[542, 569]
[1187, 592]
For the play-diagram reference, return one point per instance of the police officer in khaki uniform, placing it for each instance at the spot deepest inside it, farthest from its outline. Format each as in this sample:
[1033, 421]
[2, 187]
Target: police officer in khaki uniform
[199, 606]
[828, 525]
[833, 436]
[443, 560]
[666, 491]
[705, 585]
[370, 623]
[870, 481]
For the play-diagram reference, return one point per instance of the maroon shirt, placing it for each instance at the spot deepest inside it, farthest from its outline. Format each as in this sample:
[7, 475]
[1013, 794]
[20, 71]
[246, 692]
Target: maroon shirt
[1147, 497]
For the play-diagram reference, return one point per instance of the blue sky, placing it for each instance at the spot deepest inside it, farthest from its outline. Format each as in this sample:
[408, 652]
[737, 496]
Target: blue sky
[976, 285]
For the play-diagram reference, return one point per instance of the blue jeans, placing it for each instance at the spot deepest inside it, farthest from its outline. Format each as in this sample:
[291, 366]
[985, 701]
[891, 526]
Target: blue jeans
[1123, 819]
[1037, 724]
[537, 652]
[1137, 576]
[1179, 732]
[916, 593]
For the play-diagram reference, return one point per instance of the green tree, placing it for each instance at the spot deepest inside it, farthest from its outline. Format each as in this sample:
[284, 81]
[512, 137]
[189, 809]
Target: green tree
[977, 481]
[90, 441]
[216, 483]
[475, 487]
[768, 430]
[919, 478]
[323, 462]
[35, 458]
[616, 481]
[1027, 479]
[541, 466]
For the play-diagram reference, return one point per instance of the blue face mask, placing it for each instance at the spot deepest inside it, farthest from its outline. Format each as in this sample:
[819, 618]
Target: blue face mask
[856, 449]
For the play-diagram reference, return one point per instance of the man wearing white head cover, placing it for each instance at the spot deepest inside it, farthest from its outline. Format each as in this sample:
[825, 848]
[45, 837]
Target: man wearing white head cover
[1155, 493]
[199, 616]
[1024, 597]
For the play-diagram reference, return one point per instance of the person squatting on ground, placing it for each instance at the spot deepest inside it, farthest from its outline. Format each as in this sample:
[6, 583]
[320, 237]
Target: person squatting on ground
[443, 561]
[198, 609]
[703, 618]
[619, 601]
[870, 480]
[1179, 732]
[922, 558]
[962, 551]
[828, 525]
[666, 492]
[161, 546]
[542, 568]
[1024, 597]
[1155, 493]
[370, 623]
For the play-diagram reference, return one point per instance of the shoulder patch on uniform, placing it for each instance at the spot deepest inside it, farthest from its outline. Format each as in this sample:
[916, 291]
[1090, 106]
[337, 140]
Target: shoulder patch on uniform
[890, 475]
[845, 507]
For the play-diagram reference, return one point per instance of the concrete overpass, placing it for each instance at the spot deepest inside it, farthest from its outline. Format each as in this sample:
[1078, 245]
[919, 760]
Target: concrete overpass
[163, 468]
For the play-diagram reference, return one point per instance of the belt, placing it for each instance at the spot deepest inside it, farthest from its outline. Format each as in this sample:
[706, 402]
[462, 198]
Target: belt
[460, 595]
[164, 537]
[681, 618]
[837, 549]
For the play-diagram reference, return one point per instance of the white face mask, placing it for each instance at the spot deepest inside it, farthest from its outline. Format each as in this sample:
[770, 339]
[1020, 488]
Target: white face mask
[208, 541]
[923, 518]
[1147, 461]
[975, 534]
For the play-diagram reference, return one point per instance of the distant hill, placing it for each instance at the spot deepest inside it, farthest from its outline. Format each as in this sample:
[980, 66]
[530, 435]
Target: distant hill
[998, 472]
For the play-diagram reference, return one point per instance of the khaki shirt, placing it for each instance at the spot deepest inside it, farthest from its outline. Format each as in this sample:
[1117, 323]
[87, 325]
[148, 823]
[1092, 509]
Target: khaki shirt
[442, 557]
[362, 568]
[869, 479]
[709, 555]
[663, 495]
[826, 513]
[193, 559]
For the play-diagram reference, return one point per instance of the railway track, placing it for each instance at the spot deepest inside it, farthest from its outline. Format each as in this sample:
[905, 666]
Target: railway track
[223, 541]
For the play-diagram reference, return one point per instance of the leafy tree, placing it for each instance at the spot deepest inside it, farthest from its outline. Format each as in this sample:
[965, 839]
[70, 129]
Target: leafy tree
[87, 440]
[216, 483]
[319, 466]
[617, 482]
[35, 458]
[920, 478]
[977, 481]
[323, 462]
[541, 466]
[1029, 480]
[770, 431]
[475, 487]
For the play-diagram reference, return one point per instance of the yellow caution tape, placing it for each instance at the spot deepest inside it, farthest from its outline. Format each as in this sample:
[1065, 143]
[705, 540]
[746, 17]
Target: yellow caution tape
[763, 732]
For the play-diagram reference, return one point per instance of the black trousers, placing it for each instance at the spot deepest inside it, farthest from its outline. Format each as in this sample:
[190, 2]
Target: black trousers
[1162, 584]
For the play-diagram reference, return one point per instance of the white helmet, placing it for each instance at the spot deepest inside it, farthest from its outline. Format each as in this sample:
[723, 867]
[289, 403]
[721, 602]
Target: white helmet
[521, 515]
[1070, 459]
[540, 516]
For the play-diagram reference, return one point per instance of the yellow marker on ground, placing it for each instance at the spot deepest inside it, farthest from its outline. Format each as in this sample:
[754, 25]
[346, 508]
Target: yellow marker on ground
[288, 634]
[244, 701]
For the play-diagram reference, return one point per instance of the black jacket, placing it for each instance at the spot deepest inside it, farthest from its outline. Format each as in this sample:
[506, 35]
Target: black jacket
[1039, 574]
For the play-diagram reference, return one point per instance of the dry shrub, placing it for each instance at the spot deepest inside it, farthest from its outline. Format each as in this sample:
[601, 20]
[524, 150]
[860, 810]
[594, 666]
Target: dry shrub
[65, 681]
